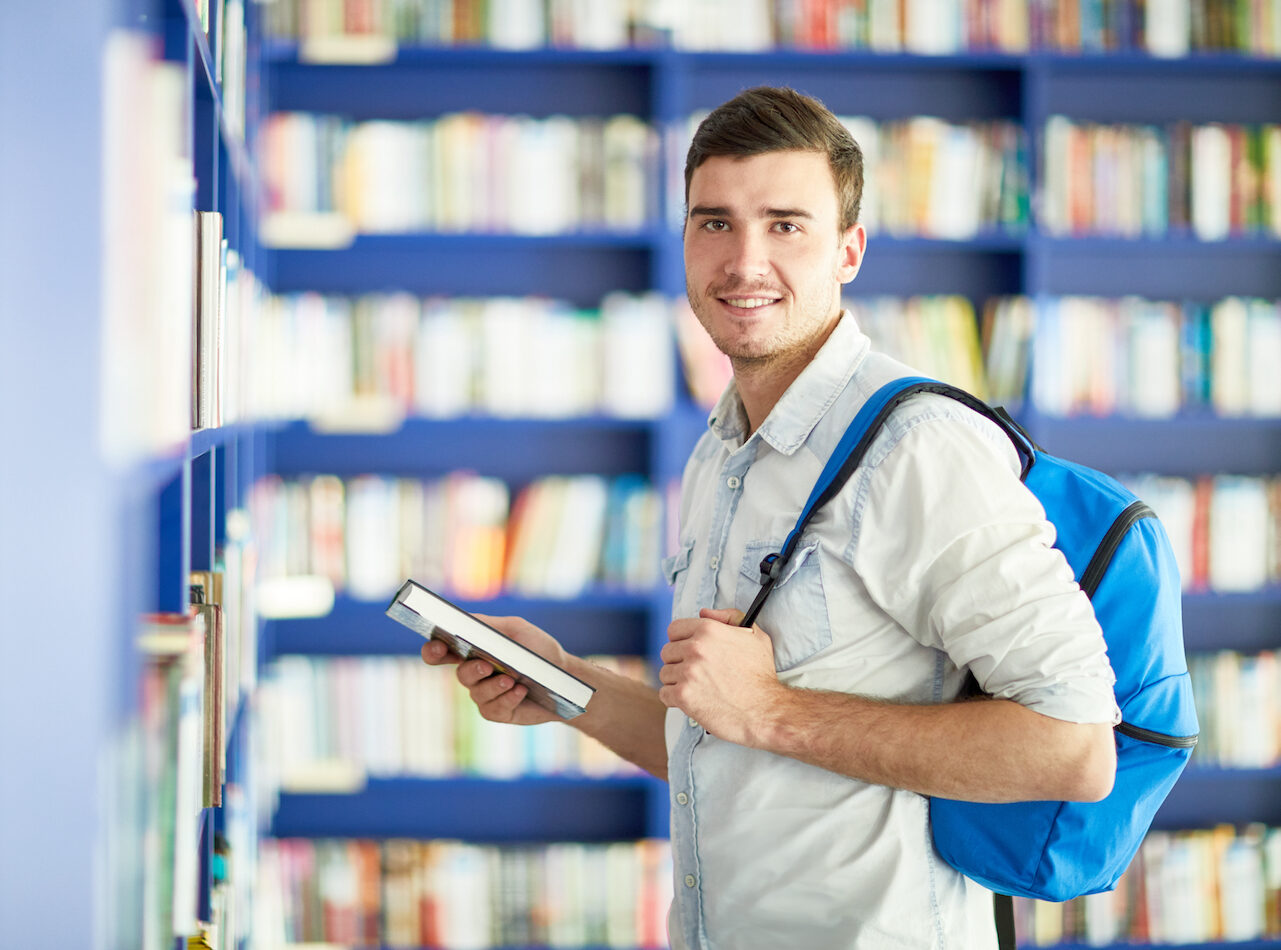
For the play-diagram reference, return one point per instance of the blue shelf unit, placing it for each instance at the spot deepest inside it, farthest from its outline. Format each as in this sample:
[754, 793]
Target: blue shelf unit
[667, 86]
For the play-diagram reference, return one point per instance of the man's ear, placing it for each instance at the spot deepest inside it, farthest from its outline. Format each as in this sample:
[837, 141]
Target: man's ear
[850, 255]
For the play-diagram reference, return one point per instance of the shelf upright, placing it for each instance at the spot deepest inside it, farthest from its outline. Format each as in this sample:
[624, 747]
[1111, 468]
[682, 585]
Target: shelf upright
[61, 504]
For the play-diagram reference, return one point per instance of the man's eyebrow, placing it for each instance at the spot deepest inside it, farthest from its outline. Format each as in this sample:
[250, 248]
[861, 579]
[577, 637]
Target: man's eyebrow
[787, 213]
[708, 211]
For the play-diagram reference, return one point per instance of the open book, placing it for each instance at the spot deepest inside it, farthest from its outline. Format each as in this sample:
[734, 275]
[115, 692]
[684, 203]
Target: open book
[433, 616]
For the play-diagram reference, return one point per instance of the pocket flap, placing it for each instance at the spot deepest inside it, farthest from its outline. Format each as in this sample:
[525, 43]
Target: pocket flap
[673, 564]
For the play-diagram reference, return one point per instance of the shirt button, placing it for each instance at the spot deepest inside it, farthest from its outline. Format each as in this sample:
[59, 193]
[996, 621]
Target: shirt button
[682, 798]
[733, 481]
[714, 563]
[693, 721]
[689, 880]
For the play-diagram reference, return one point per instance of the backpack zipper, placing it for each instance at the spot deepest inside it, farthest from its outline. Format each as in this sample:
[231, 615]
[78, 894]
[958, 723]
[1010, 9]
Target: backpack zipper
[1156, 738]
[1098, 565]
[1090, 580]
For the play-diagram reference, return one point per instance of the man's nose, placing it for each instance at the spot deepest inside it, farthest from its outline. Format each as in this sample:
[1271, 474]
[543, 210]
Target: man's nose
[748, 257]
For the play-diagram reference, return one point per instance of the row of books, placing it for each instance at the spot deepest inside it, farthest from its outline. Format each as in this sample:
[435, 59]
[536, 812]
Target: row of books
[148, 252]
[402, 893]
[367, 361]
[330, 723]
[461, 533]
[1213, 181]
[1238, 703]
[1131, 356]
[459, 172]
[170, 764]
[1225, 529]
[468, 172]
[935, 335]
[373, 28]
[1188, 887]
[163, 261]
[925, 177]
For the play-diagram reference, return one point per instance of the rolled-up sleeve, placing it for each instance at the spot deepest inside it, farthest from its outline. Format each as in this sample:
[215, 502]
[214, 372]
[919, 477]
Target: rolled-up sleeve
[958, 551]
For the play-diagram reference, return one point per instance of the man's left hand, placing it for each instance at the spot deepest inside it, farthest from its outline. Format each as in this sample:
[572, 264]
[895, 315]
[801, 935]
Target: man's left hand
[719, 673]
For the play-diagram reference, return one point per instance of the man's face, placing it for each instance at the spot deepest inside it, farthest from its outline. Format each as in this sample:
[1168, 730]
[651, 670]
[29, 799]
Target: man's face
[764, 259]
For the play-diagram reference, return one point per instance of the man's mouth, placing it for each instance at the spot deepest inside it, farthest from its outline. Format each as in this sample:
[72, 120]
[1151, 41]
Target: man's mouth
[749, 303]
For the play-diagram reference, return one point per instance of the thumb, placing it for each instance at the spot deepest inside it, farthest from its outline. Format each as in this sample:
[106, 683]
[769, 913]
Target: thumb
[728, 615]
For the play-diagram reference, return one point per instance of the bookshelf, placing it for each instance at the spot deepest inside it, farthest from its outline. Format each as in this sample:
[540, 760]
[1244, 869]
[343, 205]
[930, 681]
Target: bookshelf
[129, 532]
[110, 500]
[666, 86]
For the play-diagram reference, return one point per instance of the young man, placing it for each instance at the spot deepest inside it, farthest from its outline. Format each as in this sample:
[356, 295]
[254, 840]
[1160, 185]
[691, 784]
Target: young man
[800, 752]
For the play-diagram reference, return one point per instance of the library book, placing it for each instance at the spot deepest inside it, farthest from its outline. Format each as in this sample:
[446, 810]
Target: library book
[434, 617]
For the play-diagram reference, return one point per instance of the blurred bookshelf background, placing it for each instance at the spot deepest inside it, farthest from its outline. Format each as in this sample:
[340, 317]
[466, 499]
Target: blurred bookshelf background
[303, 297]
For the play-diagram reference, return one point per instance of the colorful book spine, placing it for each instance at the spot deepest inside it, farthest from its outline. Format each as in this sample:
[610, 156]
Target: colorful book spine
[331, 723]
[368, 362]
[1132, 181]
[1129, 356]
[403, 893]
[361, 30]
[461, 533]
[1186, 887]
[462, 172]
[1223, 528]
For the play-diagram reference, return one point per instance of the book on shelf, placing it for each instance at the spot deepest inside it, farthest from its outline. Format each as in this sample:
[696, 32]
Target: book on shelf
[1184, 887]
[434, 617]
[1223, 528]
[408, 893]
[1237, 706]
[208, 320]
[459, 533]
[1135, 357]
[330, 723]
[172, 726]
[460, 172]
[206, 598]
[147, 245]
[1213, 180]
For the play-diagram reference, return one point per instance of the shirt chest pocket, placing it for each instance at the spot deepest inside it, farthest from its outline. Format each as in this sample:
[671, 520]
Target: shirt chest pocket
[676, 572]
[795, 614]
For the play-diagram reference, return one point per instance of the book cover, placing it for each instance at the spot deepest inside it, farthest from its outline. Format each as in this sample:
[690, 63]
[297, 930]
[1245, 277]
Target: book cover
[433, 617]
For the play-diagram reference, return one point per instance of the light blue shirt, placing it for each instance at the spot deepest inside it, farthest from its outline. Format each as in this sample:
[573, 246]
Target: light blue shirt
[933, 560]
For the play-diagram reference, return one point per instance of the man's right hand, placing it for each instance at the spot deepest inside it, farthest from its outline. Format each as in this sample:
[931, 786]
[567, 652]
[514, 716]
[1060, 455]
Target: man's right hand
[499, 697]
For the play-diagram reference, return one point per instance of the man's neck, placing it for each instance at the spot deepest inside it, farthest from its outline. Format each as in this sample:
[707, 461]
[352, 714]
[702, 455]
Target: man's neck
[761, 383]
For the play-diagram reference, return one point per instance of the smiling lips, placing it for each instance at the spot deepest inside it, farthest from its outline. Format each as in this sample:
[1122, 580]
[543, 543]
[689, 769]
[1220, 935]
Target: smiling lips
[749, 303]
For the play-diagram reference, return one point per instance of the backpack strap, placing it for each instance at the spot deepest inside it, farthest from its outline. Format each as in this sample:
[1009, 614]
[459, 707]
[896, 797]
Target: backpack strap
[845, 458]
[849, 453]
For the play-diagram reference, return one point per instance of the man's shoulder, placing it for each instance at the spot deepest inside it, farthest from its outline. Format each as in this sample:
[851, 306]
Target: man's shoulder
[875, 371]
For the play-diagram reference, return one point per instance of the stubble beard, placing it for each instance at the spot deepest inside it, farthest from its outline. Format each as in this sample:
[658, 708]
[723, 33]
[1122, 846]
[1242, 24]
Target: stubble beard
[784, 343]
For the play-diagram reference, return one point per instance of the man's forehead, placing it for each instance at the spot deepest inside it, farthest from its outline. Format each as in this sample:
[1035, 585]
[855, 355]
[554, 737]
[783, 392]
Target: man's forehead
[764, 183]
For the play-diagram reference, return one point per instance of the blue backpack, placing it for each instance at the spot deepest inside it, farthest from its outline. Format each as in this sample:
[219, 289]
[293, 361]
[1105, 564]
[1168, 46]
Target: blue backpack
[1122, 559]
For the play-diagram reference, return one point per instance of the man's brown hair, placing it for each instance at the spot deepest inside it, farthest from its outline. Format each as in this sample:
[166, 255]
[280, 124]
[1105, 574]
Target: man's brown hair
[778, 119]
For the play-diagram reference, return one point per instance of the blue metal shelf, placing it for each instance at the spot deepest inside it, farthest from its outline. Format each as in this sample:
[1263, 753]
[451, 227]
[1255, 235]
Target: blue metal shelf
[1267, 943]
[528, 811]
[580, 267]
[1204, 797]
[517, 450]
[1189, 444]
[1246, 622]
[599, 622]
[288, 52]
[1175, 267]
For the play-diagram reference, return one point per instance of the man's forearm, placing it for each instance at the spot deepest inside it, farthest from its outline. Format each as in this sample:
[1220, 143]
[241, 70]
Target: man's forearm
[625, 715]
[982, 750]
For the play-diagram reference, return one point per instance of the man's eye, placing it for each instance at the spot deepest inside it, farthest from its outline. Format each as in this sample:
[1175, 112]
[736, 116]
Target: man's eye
[714, 225]
[786, 227]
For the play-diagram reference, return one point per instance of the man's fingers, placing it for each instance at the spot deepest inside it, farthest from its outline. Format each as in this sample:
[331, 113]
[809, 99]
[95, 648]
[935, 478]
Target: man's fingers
[436, 653]
[728, 615]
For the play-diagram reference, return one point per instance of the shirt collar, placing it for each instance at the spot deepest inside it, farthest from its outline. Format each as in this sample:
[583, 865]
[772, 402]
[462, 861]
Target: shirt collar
[803, 404]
